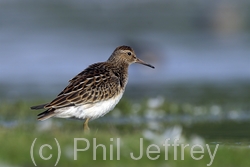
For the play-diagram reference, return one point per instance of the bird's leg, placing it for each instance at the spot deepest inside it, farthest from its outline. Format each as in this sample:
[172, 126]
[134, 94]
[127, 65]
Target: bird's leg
[85, 125]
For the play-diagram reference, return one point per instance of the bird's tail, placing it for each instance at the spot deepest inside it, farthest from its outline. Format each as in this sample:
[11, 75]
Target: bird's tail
[46, 114]
[38, 107]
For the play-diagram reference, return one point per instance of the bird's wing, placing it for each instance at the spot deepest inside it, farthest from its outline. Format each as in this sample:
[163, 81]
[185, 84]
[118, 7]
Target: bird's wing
[94, 84]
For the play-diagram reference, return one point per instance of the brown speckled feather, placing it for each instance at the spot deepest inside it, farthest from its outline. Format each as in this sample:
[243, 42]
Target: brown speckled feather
[96, 83]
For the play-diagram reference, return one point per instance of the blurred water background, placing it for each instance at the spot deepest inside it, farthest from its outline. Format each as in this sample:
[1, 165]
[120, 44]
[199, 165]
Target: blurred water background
[201, 51]
[47, 42]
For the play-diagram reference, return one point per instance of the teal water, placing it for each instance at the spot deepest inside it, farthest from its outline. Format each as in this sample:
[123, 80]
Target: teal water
[50, 42]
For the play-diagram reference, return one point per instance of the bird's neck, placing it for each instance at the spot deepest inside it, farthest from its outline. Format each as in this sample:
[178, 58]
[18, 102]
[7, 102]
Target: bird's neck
[121, 71]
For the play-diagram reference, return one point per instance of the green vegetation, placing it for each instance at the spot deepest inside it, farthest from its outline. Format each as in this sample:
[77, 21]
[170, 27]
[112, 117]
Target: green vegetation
[16, 144]
[213, 118]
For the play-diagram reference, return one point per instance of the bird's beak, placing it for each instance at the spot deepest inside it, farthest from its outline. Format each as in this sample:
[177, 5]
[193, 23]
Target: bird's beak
[142, 62]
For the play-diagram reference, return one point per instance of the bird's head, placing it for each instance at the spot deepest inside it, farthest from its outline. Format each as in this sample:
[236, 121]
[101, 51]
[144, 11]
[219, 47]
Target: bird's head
[125, 54]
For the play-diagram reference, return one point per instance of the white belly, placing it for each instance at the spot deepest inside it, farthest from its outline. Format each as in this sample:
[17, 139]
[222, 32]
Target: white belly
[92, 111]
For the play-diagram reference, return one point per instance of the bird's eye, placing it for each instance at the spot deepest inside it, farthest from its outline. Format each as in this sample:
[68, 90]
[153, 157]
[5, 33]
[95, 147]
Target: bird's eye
[129, 53]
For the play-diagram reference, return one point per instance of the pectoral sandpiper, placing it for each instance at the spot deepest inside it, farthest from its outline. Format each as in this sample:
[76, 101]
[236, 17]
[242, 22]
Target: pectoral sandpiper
[95, 91]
